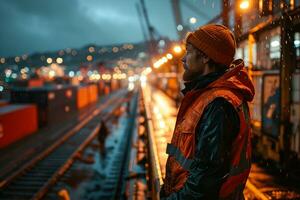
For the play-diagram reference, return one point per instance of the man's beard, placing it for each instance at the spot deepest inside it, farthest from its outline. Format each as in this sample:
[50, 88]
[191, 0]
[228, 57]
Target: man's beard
[189, 76]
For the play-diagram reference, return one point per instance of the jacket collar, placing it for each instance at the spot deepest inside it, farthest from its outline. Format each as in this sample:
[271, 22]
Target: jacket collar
[201, 81]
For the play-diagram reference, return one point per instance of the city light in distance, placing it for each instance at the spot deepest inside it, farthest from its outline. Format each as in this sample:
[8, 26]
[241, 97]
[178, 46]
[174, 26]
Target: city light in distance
[177, 49]
[89, 58]
[49, 60]
[169, 56]
[179, 27]
[59, 60]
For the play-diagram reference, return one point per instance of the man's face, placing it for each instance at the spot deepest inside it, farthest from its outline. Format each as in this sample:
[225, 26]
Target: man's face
[193, 62]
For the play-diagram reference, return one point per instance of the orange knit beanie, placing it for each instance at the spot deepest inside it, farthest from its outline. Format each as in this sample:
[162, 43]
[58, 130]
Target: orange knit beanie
[216, 41]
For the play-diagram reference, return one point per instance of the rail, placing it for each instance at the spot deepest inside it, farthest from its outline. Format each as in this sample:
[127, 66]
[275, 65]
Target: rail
[156, 175]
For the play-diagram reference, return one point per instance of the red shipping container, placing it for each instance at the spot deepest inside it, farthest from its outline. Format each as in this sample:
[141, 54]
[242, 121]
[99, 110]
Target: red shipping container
[82, 97]
[3, 103]
[93, 93]
[35, 83]
[16, 122]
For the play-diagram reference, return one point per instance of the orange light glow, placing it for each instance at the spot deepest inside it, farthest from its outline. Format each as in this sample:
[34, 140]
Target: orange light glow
[244, 5]
[177, 49]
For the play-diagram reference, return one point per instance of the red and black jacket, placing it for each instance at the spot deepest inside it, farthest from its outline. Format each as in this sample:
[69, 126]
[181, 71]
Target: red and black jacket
[209, 156]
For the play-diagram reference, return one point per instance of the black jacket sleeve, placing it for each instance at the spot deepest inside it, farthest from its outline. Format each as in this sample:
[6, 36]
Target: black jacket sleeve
[215, 132]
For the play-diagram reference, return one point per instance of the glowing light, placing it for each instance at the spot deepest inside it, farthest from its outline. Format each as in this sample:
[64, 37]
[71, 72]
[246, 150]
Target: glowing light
[143, 78]
[244, 5]
[80, 78]
[156, 65]
[51, 73]
[115, 76]
[59, 60]
[131, 86]
[24, 76]
[49, 60]
[106, 76]
[2, 60]
[275, 43]
[179, 27]
[97, 76]
[130, 78]
[193, 20]
[177, 49]
[161, 43]
[130, 46]
[14, 75]
[91, 49]
[23, 71]
[123, 76]
[8, 72]
[164, 59]
[17, 59]
[71, 73]
[162, 124]
[89, 58]
[1, 88]
[115, 49]
[169, 56]
[148, 70]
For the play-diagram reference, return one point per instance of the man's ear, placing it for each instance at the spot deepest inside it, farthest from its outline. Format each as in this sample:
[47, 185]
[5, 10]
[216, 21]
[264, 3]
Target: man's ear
[205, 59]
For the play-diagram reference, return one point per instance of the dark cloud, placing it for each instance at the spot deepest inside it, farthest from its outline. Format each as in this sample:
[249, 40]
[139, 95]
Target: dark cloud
[42, 25]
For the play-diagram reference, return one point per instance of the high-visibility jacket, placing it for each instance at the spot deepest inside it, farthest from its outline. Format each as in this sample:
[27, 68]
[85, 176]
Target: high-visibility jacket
[236, 87]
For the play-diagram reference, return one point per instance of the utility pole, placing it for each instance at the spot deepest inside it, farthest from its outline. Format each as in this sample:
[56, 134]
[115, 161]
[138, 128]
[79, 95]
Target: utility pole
[140, 15]
[152, 45]
[287, 63]
[225, 12]
[237, 20]
[178, 18]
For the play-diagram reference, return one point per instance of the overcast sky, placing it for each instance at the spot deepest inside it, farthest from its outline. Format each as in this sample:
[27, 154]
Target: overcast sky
[28, 26]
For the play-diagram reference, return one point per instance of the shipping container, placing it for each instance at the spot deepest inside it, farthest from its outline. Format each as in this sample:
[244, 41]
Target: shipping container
[55, 103]
[16, 122]
[3, 103]
[35, 83]
[92, 93]
[101, 86]
[28, 83]
[82, 97]
[115, 85]
[106, 89]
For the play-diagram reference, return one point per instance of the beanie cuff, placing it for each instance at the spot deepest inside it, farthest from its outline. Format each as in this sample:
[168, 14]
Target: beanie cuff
[202, 45]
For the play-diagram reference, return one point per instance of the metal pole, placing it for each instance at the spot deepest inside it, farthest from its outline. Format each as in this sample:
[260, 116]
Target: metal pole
[287, 62]
[178, 18]
[225, 12]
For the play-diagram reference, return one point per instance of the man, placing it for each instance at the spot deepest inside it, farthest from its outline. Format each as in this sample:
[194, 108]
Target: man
[210, 151]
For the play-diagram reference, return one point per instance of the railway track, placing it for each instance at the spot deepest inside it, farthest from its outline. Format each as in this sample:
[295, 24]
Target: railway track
[112, 183]
[36, 177]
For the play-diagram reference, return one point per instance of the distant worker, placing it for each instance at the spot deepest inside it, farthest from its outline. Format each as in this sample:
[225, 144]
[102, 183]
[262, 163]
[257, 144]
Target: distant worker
[102, 135]
[210, 152]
